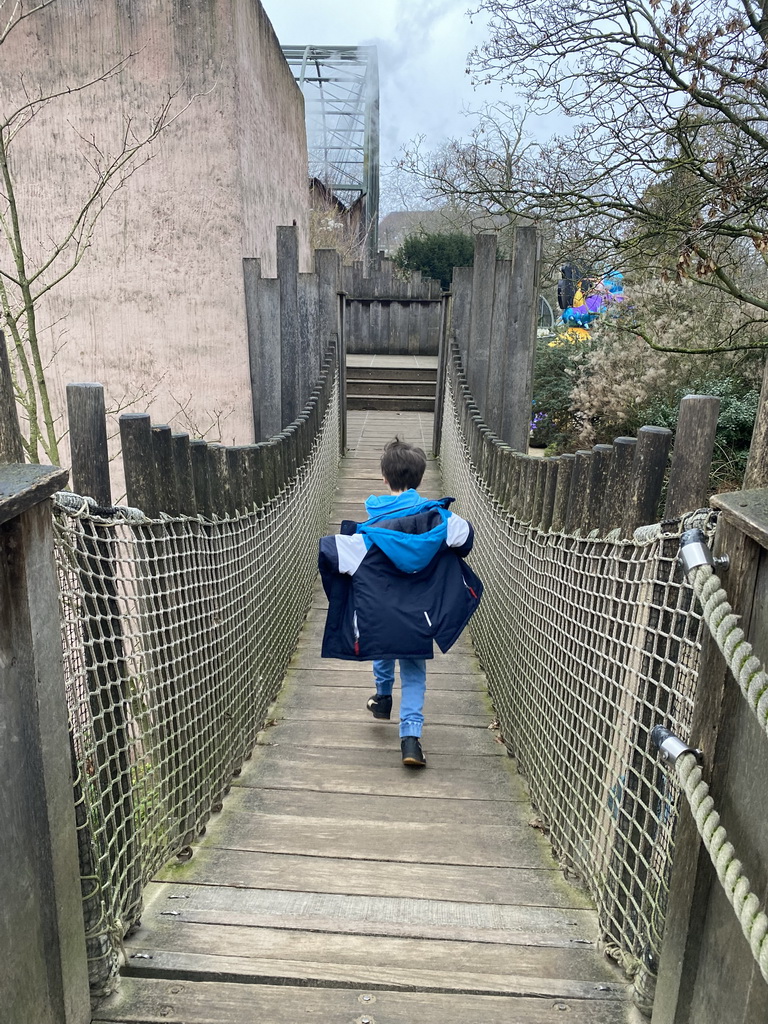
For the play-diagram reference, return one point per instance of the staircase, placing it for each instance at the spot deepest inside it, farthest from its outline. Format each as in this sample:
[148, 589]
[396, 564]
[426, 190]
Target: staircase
[391, 387]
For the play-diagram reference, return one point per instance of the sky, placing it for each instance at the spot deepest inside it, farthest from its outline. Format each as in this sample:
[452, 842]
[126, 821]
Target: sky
[422, 48]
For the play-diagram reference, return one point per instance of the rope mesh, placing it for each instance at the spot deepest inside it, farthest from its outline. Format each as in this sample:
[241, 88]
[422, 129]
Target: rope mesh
[176, 636]
[587, 644]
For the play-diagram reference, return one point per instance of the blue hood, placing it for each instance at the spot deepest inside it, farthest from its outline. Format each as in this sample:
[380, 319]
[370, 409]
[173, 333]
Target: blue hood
[410, 552]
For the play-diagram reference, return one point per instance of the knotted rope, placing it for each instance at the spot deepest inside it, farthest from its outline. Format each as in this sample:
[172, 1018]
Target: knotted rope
[729, 637]
[754, 923]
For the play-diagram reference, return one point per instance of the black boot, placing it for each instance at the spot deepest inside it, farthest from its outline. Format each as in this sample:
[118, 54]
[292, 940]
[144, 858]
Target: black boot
[380, 706]
[412, 753]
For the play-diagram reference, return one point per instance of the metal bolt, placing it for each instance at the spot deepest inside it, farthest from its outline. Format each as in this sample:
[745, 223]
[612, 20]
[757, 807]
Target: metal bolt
[560, 1006]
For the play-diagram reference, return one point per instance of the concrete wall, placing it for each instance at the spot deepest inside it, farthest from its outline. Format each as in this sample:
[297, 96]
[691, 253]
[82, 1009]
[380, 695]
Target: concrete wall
[156, 309]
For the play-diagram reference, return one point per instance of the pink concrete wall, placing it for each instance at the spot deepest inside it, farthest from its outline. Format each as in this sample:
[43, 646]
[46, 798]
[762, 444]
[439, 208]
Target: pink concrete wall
[155, 311]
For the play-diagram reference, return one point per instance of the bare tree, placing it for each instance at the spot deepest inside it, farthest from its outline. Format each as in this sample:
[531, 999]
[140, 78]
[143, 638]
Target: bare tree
[31, 267]
[665, 166]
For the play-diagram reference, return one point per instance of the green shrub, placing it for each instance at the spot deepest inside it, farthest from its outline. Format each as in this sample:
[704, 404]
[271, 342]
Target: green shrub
[435, 255]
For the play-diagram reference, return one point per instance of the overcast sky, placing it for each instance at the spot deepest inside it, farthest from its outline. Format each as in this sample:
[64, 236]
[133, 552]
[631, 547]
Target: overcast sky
[422, 47]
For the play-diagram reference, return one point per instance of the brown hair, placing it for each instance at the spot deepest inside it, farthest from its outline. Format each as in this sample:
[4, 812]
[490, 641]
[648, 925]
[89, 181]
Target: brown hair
[403, 465]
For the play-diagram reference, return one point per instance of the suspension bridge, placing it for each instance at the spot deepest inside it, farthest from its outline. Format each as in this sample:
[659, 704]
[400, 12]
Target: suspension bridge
[239, 835]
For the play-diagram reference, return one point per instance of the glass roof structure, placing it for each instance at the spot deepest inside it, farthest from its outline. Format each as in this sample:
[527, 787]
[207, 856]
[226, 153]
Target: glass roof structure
[340, 85]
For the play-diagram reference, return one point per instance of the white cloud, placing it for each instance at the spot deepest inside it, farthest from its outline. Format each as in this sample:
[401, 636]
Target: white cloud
[422, 48]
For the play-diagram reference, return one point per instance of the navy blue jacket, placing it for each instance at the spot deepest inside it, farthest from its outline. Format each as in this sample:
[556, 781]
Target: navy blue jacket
[398, 582]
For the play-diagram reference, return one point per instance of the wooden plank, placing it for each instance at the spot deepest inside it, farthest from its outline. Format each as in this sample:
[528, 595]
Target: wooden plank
[440, 738]
[537, 904]
[544, 966]
[399, 842]
[379, 806]
[334, 698]
[204, 966]
[142, 1001]
[268, 884]
[281, 772]
[441, 674]
[465, 766]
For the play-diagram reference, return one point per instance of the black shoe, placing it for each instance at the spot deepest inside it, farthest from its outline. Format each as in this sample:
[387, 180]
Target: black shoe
[412, 753]
[380, 706]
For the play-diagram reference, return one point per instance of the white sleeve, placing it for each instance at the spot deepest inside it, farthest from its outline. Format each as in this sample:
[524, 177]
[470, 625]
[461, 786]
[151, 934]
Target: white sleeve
[351, 550]
[458, 531]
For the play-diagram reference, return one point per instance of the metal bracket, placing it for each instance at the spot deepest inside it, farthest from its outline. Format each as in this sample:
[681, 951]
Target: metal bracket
[694, 552]
[670, 747]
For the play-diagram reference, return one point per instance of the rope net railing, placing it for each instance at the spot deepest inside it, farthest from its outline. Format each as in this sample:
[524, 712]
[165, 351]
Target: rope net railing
[588, 642]
[177, 632]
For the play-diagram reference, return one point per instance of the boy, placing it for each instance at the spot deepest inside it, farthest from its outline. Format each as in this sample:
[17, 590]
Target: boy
[396, 583]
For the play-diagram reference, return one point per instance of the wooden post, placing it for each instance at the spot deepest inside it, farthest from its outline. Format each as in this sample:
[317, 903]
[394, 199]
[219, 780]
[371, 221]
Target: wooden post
[88, 442]
[45, 974]
[576, 515]
[185, 481]
[290, 354]
[461, 311]
[619, 484]
[522, 318]
[550, 489]
[327, 267]
[339, 363]
[499, 344]
[165, 470]
[308, 354]
[443, 356]
[688, 486]
[262, 308]
[648, 470]
[528, 485]
[198, 453]
[221, 490]
[562, 492]
[540, 477]
[139, 462]
[479, 349]
[596, 486]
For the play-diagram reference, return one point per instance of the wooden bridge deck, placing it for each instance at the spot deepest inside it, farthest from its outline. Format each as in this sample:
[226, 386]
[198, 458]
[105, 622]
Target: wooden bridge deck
[338, 886]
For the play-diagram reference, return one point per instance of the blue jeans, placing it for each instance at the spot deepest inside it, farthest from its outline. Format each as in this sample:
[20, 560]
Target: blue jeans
[413, 686]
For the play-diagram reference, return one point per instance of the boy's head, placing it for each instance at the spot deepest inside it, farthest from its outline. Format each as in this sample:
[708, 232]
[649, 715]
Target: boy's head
[402, 465]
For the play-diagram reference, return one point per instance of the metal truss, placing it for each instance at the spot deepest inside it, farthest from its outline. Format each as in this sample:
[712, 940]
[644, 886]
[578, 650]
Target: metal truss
[340, 85]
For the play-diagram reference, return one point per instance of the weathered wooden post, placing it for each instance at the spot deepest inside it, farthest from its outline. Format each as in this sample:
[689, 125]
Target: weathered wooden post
[619, 484]
[106, 671]
[88, 442]
[185, 482]
[562, 492]
[290, 337]
[443, 355]
[481, 315]
[582, 469]
[45, 974]
[139, 462]
[165, 469]
[262, 307]
[522, 314]
[688, 486]
[648, 468]
[602, 455]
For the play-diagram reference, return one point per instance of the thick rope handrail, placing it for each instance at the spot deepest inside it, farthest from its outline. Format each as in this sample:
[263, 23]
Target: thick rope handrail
[723, 624]
[736, 885]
